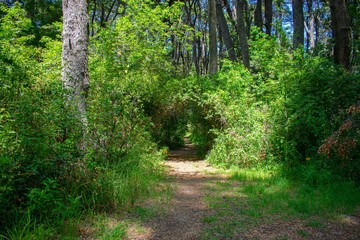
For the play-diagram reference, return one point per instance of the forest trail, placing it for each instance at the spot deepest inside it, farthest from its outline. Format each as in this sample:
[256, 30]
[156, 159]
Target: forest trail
[187, 215]
[184, 217]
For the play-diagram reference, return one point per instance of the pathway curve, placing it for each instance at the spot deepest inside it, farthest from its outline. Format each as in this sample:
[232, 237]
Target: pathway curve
[184, 219]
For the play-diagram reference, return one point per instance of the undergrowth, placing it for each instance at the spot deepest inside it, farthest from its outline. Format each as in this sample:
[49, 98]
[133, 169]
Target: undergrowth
[278, 113]
[259, 196]
[48, 183]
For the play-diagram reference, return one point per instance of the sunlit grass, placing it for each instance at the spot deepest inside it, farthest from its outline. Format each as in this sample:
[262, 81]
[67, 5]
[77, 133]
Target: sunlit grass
[273, 189]
[257, 196]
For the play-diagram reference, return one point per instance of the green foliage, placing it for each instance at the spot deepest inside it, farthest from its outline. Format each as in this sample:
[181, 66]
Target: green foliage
[27, 229]
[242, 138]
[27, 124]
[34, 146]
[318, 95]
[43, 174]
[281, 111]
[128, 62]
[257, 196]
[131, 66]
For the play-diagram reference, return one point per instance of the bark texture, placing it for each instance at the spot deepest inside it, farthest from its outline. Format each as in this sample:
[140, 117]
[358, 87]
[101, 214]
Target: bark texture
[268, 16]
[298, 16]
[242, 33]
[341, 32]
[258, 14]
[213, 54]
[225, 33]
[75, 55]
[310, 27]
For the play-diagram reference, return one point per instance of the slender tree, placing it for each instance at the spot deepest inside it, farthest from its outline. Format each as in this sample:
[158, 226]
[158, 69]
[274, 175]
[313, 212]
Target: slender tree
[341, 32]
[258, 14]
[353, 9]
[229, 12]
[298, 18]
[213, 53]
[104, 12]
[310, 24]
[268, 16]
[225, 33]
[242, 33]
[75, 58]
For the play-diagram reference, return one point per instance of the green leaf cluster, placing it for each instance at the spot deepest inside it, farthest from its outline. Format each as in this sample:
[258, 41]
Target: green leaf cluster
[44, 174]
[280, 111]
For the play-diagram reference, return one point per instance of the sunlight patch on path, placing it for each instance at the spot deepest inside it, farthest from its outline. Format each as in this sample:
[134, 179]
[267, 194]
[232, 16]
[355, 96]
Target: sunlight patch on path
[184, 218]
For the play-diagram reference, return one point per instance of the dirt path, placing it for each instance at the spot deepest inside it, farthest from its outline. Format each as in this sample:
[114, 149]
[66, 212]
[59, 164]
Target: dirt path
[187, 216]
[183, 220]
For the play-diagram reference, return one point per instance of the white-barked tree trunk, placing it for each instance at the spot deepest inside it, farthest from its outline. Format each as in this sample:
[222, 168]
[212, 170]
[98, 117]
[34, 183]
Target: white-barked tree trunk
[75, 74]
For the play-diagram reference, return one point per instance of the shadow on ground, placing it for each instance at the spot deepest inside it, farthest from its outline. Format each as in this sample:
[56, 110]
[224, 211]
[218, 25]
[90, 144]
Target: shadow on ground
[184, 215]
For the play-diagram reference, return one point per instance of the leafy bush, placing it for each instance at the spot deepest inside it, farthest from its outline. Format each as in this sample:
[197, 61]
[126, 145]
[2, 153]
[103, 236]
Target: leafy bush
[30, 117]
[318, 96]
[282, 110]
[43, 173]
[242, 139]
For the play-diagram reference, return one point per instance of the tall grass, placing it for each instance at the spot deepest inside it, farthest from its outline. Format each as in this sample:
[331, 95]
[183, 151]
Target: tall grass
[311, 192]
[262, 196]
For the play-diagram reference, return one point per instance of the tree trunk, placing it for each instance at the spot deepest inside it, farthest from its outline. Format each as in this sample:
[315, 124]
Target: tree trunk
[298, 17]
[341, 32]
[268, 16]
[279, 32]
[247, 17]
[195, 51]
[242, 33]
[204, 53]
[225, 33]
[317, 24]
[213, 54]
[75, 58]
[311, 23]
[258, 15]
[229, 12]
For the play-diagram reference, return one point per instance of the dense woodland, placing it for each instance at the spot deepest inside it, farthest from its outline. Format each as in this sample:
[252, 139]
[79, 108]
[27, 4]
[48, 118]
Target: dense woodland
[93, 94]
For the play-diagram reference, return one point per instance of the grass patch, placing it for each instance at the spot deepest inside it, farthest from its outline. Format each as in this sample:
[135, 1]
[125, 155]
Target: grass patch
[314, 223]
[117, 225]
[108, 227]
[271, 192]
[114, 191]
[209, 219]
[251, 197]
[26, 229]
[303, 233]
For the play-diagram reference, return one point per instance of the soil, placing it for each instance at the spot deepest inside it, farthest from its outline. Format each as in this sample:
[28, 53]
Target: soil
[183, 220]
[184, 217]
